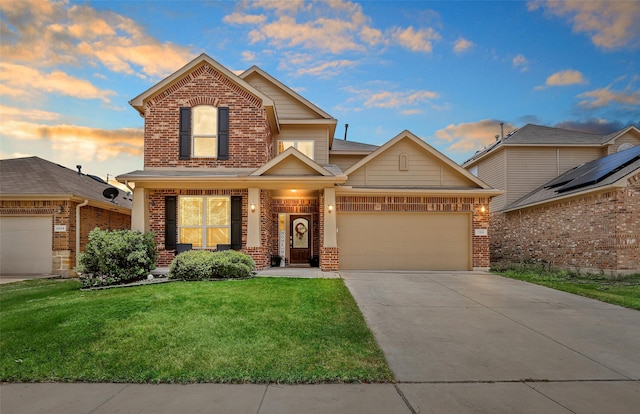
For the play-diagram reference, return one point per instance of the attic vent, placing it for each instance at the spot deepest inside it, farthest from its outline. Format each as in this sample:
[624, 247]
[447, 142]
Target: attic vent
[404, 162]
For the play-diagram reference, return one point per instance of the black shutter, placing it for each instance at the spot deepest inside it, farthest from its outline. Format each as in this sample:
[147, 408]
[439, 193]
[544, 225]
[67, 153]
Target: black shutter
[223, 133]
[170, 222]
[236, 222]
[185, 133]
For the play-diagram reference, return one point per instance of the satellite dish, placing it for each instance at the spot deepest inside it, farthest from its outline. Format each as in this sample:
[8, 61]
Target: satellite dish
[111, 193]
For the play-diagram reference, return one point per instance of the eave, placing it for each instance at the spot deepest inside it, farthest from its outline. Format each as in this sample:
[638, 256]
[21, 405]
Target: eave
[477, 192]
[105, 205]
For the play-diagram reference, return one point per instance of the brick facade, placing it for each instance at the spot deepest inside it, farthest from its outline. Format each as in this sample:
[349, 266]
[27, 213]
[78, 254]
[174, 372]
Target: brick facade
[64, 242]
[599, 232]
[250, 138]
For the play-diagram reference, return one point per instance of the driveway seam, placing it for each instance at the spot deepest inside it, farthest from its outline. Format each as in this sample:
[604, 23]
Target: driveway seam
[264, 394]
[406, 401]
[535, 330]
[109, 399]
[549, 398]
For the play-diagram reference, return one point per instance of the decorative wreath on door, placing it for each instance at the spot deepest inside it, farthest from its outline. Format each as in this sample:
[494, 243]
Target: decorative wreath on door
[301, 229]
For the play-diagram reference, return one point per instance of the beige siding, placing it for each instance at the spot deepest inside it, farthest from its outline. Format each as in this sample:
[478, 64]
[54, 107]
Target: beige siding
[569, 158]
[345, 161]
[492, 171]
[405, 241]
[527, 169]
[628, 138]
[287, 107]
[318, 134]
[291, 166]
[424, 170]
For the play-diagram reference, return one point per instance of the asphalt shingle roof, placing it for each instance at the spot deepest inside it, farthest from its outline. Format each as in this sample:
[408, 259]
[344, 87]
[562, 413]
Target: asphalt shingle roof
[36, 176]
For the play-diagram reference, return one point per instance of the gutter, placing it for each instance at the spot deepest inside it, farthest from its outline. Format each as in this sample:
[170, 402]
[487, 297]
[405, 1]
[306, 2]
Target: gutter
[78, 207]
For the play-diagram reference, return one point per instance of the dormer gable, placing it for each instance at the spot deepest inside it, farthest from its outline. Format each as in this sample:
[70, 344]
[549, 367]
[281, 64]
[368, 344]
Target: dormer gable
[409, 162]
[292, 163]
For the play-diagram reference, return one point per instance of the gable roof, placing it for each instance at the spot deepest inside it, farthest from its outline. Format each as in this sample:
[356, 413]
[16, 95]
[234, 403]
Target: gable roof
[341, 146]
[36, 177]
[602, 174]
[426, 147]
[537, 135]
[139, 101]
[288, 154]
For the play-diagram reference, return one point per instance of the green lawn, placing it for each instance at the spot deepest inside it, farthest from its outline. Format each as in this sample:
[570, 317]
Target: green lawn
[624, 291]
[258, 330]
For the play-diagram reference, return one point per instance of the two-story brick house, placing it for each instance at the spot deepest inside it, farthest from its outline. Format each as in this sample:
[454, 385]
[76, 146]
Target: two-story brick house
[244, 162]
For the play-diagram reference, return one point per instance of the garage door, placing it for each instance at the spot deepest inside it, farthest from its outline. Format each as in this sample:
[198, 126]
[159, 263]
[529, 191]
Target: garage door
[25, 245]
[405, 241]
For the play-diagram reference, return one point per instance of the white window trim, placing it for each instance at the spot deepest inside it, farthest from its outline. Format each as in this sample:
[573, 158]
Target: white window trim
[204, 225]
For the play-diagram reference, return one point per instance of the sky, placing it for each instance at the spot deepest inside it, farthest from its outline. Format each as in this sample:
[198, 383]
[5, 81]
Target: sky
[448, 71]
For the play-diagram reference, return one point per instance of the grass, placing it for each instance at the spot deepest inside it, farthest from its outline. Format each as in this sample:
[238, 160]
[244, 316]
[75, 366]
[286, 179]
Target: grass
[259, 330]
[623, 291]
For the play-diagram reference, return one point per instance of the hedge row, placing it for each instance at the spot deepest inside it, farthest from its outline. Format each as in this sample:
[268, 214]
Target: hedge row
[204, 265]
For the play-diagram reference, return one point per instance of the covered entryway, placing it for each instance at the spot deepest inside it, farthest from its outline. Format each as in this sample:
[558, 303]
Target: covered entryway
[26, 245]
[404, 241]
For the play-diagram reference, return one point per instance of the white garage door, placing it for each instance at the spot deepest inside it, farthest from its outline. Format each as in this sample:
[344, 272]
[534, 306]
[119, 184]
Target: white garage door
[405, 241]
[25, 245]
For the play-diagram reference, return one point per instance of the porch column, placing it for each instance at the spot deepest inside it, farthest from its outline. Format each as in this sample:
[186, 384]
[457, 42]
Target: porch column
[330, 237]
[253, 221]
[140, 211]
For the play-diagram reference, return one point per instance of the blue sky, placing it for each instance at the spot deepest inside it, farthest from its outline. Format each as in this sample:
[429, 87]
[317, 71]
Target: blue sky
[449, 71]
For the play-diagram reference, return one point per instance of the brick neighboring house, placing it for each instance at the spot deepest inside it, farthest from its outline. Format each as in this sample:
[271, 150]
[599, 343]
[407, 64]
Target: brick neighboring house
[244, 162]
[595, 228]
[47, 212]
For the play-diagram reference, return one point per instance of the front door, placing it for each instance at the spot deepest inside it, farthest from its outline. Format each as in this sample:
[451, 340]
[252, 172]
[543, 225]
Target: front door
[300, 236]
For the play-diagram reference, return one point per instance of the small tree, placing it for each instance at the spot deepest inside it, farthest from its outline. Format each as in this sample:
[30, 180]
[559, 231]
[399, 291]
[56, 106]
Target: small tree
[116, 256]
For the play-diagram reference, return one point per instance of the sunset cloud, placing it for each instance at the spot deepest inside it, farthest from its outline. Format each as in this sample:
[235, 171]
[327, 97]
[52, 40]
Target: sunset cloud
[393, 99]
[520, 62]
[610, 24]
[564, 78]
[416, 40]
[629, 96]
[462, 45]
[44, 34]
[24, 82]
[92, 143]
[471, 136]
[326, 69]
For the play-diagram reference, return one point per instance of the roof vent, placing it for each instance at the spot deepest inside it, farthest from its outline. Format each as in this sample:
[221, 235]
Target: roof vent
[79, 167]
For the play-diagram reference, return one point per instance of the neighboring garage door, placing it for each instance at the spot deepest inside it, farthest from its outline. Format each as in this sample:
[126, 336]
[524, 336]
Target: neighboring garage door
[25, 245]
[405, 241]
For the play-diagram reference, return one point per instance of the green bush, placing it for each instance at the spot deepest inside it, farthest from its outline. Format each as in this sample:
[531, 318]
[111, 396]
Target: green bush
[117, 256]
[204, 265]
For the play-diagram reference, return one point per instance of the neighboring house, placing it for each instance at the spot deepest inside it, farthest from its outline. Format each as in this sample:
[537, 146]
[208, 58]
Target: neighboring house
[524, 228]
[244, 162]
[47, 212]
[587, 219]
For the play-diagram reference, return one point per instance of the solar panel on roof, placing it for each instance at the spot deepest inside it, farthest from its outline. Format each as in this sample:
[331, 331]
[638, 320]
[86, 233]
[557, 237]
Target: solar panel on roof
[572, 174]
[601, 169]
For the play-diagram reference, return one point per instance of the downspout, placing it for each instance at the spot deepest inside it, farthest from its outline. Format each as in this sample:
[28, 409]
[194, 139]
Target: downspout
[78, 207]
[126, 183]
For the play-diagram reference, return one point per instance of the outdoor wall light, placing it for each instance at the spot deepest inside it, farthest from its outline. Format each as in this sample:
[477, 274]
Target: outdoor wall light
[330, 208]
[253, 208]
[483, 209]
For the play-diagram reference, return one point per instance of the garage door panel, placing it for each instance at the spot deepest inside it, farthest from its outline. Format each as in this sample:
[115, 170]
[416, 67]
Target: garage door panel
[405, 241]
[25, 245]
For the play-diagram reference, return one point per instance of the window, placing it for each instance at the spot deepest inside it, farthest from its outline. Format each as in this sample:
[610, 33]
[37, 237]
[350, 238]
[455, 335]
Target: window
[305, 147]
[204, 222]
[205, 131]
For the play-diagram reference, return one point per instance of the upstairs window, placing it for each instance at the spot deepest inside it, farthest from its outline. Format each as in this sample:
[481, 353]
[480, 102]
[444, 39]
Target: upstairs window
[305, 147]
[205, 131]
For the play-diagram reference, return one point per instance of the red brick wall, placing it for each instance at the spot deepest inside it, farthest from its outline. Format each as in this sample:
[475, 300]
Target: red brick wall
[598, 232]
[479, 219]
[250, 138]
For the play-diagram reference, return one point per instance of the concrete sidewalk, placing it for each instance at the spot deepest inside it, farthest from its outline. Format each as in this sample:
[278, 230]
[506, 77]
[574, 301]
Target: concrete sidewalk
[457, 342]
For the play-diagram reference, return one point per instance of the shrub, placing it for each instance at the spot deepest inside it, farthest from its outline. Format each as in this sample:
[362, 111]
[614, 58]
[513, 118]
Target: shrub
[116, 256]
[204, 265]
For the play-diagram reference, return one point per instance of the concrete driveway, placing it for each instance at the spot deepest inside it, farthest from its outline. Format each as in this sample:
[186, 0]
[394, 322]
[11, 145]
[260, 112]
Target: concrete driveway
[474, 342]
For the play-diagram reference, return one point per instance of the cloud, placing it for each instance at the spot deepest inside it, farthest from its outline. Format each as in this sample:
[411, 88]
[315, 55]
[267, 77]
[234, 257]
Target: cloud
[603, 97]
[564, 78]
[392, 99]
[594, 126]
[610, 24]
[462, 45]
[31, 114]
[25, 82]
[92, 143]
[520, 62]
[470, 136]
[239, 18]
[415, 40]
[44, 34]
[326, 69]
